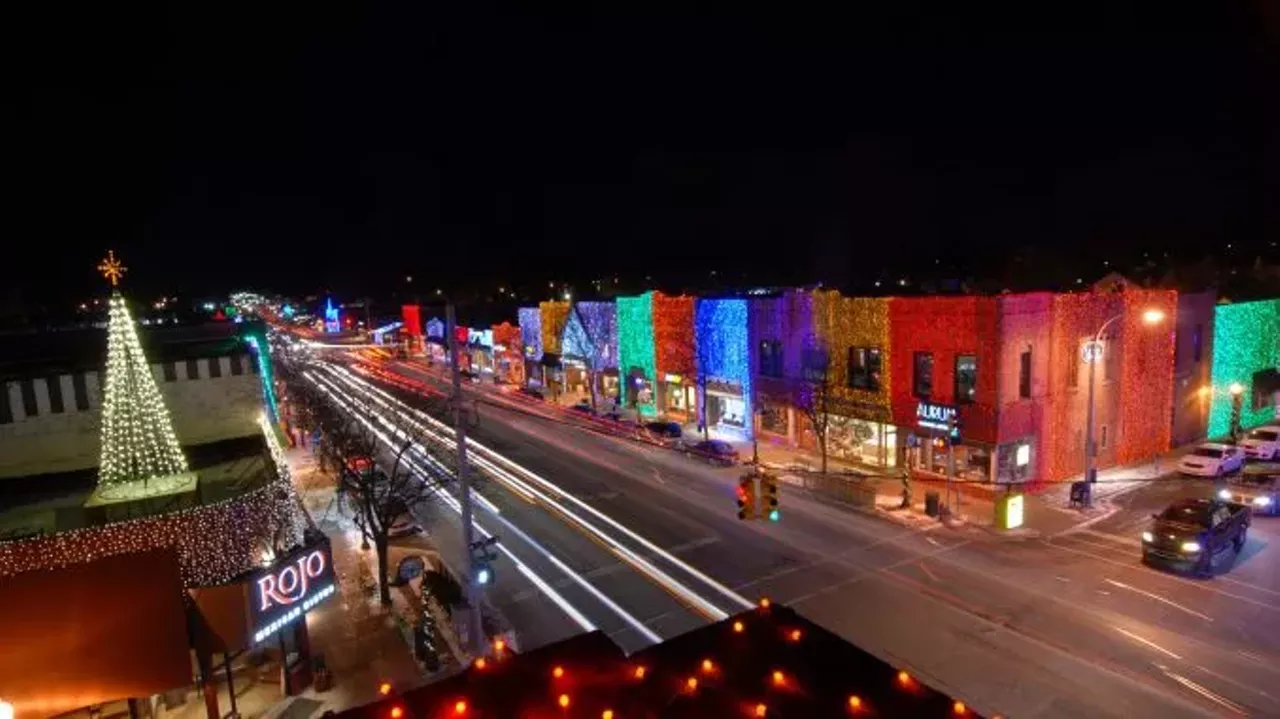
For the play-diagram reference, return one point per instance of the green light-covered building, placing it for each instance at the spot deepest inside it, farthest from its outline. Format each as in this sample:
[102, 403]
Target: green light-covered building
[1246, 352]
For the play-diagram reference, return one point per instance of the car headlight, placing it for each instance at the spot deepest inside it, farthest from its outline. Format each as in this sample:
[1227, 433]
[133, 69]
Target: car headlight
[1262, 501]
[1190, 546]
[1148, 537]
[1224, 494]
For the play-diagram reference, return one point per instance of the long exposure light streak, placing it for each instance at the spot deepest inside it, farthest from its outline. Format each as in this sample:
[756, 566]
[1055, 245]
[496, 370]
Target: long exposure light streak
[452, 502]
[441, 470]
[488, 459]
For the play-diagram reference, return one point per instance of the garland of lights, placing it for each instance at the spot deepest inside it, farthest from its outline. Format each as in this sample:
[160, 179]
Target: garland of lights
[138, 441]
[256, 337]
[673, 334]
[554, 315]
[720, 328]
[215, 543]
[635, 343]
[1244, 342]
[530, 320]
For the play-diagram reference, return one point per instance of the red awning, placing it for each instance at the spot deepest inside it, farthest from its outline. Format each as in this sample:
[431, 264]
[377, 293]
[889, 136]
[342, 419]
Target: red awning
[91, 633]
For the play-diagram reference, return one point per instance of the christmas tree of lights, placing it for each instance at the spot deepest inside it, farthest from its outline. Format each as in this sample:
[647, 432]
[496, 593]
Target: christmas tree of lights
[138, 441]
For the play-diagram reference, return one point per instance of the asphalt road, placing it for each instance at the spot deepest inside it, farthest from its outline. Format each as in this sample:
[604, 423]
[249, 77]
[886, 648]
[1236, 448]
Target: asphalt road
[1067, 626]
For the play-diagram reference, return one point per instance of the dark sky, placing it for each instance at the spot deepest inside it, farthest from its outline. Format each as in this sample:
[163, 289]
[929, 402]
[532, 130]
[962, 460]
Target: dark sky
[303, 146]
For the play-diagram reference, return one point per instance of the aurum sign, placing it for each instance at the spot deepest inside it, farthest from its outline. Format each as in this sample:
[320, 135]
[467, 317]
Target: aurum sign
[285, 591]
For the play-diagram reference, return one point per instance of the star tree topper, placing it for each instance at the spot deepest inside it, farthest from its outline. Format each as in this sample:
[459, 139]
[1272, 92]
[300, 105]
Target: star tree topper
[112, 269]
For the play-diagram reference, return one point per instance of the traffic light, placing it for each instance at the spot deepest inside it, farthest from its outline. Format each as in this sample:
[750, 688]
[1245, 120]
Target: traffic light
[770, 486]
[747, 497]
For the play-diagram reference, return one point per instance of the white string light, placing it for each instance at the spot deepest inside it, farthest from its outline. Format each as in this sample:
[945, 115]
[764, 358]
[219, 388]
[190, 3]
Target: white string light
[138, 441]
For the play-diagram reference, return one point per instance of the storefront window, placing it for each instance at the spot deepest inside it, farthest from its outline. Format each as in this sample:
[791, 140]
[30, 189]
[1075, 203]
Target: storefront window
[773, 418]
[770, 358]
[733, 411]
[862, 441]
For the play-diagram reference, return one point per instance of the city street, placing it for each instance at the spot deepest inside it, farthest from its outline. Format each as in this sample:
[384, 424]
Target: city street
[1066, 625]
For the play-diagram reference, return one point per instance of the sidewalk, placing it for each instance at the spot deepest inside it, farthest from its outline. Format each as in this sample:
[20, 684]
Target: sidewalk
[1045, 508]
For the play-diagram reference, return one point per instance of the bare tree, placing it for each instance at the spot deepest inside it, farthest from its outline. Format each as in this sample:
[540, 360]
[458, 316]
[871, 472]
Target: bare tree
[380, 493]
[813, 394]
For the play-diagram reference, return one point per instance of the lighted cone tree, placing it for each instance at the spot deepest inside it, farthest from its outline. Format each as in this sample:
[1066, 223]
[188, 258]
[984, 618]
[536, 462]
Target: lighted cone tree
[138, 441]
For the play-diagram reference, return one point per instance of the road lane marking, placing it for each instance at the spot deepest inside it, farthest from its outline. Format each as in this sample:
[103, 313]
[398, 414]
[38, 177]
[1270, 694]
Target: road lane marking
[1207, 694]
[1118, 539]
[1062, 579]
[933, 541]
[1163, 575]
[1158, 598]
[1146, 642]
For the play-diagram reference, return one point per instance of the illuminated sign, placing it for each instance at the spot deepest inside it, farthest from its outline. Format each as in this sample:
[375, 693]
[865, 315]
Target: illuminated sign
[673, 378]
[285, 591]
[1023, 456]
[941, 417]
[1012, 512]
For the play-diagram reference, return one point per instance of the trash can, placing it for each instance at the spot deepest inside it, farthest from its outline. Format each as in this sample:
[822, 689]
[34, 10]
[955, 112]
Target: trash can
[1081, 494]
[931, 503]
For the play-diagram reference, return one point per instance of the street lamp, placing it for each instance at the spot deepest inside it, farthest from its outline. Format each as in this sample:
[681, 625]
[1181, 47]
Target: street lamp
[1237, 396]
[1091, 353]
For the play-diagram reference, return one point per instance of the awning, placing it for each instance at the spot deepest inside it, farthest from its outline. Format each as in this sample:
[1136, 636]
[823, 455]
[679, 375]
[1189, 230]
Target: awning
[550, 359]
[91, 633]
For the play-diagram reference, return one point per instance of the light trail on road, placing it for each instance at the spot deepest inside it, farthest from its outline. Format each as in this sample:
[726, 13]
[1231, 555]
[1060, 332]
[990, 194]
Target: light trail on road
[505, 470]
[439, 469]
[452, 502]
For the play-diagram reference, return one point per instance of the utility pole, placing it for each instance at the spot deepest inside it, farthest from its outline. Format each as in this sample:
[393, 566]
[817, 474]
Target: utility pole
[464, 484]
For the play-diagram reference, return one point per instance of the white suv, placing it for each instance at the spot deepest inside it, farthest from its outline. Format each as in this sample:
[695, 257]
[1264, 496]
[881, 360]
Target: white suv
[1262, 443]
[1212, 460]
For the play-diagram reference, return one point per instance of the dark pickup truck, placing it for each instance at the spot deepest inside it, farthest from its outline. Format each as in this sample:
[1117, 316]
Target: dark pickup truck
[1190, 533]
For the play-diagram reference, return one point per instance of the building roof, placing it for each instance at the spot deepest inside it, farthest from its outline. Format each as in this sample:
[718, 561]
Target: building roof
[768, 657]
[79, 350]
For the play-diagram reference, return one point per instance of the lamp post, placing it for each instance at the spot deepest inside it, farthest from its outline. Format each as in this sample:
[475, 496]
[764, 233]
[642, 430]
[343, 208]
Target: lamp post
[474, 579]
[1237, 400]
[1091, 353]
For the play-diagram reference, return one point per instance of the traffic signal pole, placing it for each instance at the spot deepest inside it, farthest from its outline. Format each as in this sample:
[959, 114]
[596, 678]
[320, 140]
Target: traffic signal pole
[464, 485]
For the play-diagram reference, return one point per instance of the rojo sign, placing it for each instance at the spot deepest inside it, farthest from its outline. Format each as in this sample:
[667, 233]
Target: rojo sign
[283, 592]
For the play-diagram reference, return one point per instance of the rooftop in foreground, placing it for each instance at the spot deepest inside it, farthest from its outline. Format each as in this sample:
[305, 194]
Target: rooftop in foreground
[768, 662]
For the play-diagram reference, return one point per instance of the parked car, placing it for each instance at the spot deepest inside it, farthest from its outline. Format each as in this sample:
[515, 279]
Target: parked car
[1262, 443]
[716, 451]
[1190, 533]
[664, 430]
[531, 393]
[1212, 460]
[1259, 490]
[584, 407]
[469, 375]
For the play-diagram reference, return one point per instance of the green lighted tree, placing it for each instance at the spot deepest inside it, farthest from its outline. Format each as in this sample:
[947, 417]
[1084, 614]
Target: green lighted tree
[138, 441]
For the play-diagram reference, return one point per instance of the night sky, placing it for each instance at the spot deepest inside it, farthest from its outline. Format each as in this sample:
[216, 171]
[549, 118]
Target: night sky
[299, 148]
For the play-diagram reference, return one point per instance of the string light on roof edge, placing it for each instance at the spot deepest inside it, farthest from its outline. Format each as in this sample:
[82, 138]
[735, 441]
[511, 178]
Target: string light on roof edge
[215, 543]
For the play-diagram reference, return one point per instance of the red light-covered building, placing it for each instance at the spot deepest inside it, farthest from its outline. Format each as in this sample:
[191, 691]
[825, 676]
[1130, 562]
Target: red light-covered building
[944, 362]
[673, 355]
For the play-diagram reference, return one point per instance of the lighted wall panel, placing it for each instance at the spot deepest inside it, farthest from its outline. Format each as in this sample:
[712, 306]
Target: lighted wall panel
[530, 319]
[591, 334]
[723, 353]
[1245, 341]
[843, 323]
[635, 342]
[945, 327]
[554, 315]
[673, 334]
